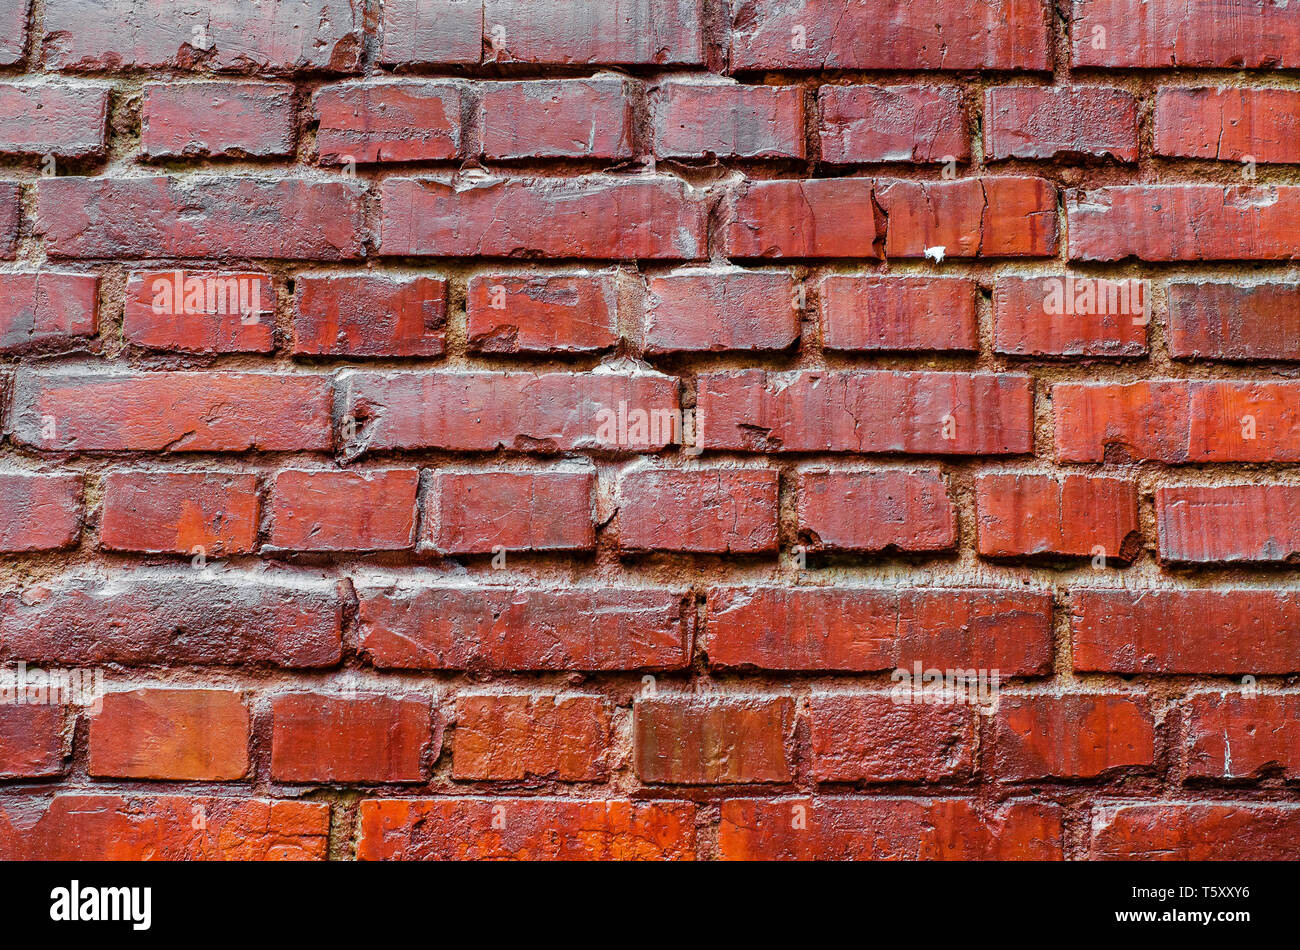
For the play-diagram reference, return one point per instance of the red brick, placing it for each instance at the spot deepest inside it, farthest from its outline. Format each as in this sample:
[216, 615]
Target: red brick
[32, 743]
[542, 313]
[1261, 125]
[529, 829]
[1186, 631]
[99, 35]
[640, 32]
[867, 629]
[90, 827]
[65, 121]
[726, 120]
[481, 411]
[1081, 735]
[898, 313]
[1066, 515]
[816, 217]
[87, 410]
[402, 121]
[1178, 421]
[1234, 322]
[459, 628]
[1065, 315]
[1060, 122]
[1242, 736]
[481, 512]
[176, 618]
[1229, 523]
[369, 315]
[514, 737]
[212, 513]
[1190, 831]
[10, 218]
[872, 737]
[720, 310]
[13, 30]
[717, 510]
[974, 217]
[316, 737]
[892, 124]
[431, 32]
[372, 510]
[707, 740]
[39, 512]
[1185, 223]
[894, 34]
[897, 829]
[859, 411]
[875, 510]
[556, 118]
[47, 311]
[217, 119]
[200, 311]
[1158, 34]
[594, 216]
[188, 734]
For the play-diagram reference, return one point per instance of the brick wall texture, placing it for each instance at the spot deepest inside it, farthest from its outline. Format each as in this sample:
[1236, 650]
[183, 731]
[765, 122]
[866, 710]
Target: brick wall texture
[594, 429]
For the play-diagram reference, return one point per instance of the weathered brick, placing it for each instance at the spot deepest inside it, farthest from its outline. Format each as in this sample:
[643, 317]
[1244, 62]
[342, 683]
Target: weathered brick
[39, 512]
[542, 313]
[514, 737]
[1227, 124]
[200, 311]
[817, 217]
[13, 30]
[716, 510]
[1191, 831]
[399, 121]
[892, 124]
[1229, 523]
[1061, 122]
[63, 121]
[32, 742]
[1065, 315]
[1233, 322]
[695, 119]
[688, 740]
[1067, 515]
[872, 737]
[556, 118]
[189, 734]
[369, 315]
[898, 313]
[217, 120]
[1242, 735]
[372, 510]
[317, 737]
[483, 512]
[720, 310]
[973, 217]
[210, 514]
[1081, 735]
[639, 32]
[875, 510]
[47, 310]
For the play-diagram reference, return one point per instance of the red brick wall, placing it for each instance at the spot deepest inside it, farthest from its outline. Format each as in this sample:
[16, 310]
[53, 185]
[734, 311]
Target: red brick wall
[408, 555]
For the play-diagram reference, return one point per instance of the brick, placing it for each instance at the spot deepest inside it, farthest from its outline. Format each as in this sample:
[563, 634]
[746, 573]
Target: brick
[892, 124]
[686, 740]
[187, 734]
[595, 216]
[640, 32]
[192, 311]
[1070, 316]
[514, 737]
[321, 738]
[212, 514]
[371, 510]
[1064, 515]
[1178, 421]
[1194, 831]
[460, 628]
[63, 121]
[135, 827]
[526, 829]
[39, 512]
[865, 313]
[868, 629]
[1226, 124]
[556, 118]
[1060, 122]
[721, 310]
[47, 311]
[217, 120]
[369, 315]
[1242, 736]
[32, 743]
[482, 411]
[101, 35]
[431, 32]
[88, 410]
[484, 512]
[145, 619]
[973, 217]
[1233, 322]
[1074, 736]
[719, 510]
[896, 34]
[556, 314]
[872, 737]
[13, 30]
[726, 120]
[1229, 523]
[10, 218]
[875, 510]
[1185, 631]
[898, 829]
[1158, 34]
[1185, 223]
[818, 217]
[402, 121]
[859, 411]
